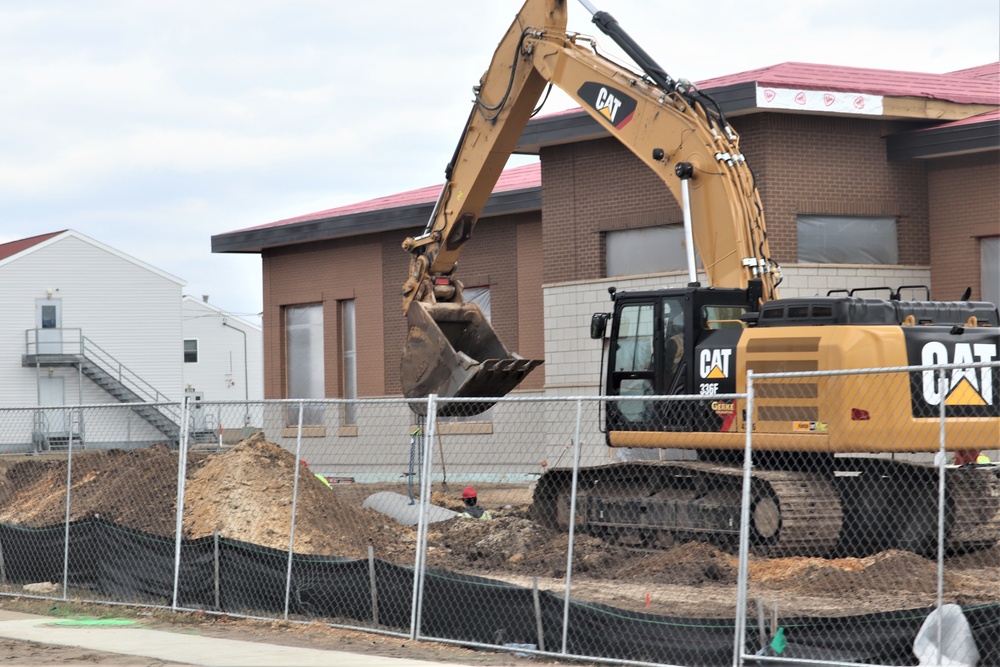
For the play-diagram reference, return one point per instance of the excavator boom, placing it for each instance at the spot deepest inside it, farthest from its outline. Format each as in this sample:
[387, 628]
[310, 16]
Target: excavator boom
[451, 348]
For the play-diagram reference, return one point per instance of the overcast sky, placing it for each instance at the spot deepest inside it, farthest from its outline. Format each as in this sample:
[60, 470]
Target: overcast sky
[151, 125]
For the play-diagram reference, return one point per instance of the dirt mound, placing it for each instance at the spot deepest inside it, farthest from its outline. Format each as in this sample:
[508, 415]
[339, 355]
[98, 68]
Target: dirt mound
[244, 494]
[136, 488]
[247, 494]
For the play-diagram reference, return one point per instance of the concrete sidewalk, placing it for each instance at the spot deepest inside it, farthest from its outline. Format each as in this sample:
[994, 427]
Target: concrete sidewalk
[136, 640]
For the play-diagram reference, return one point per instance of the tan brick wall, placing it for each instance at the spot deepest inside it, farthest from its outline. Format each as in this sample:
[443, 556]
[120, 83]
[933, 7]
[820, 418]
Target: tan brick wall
[964, 205]
[804, 164]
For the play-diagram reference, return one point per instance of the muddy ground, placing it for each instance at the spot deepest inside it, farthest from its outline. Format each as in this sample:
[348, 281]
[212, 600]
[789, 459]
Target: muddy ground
[246, 494]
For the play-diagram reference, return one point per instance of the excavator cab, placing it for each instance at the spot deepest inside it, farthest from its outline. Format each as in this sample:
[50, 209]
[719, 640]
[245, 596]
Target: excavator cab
[452, 350]
[671, 342]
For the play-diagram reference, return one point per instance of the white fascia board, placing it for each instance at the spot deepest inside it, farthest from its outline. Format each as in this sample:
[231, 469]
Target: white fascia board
[826, 101]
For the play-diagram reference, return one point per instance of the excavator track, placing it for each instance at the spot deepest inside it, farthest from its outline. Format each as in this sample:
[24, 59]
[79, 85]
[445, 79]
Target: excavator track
[791, 512]
[974, 494]
[854, 512]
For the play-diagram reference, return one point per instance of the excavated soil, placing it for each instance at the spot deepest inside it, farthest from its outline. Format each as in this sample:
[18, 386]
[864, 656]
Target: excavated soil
[246, 494]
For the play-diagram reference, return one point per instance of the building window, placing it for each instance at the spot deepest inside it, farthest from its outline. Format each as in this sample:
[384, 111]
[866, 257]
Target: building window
[49, 317]
[633, 252]
[304, 361]
[191, 351]
[349, 354]
[989, 269]
[841, 239]
[479, 296]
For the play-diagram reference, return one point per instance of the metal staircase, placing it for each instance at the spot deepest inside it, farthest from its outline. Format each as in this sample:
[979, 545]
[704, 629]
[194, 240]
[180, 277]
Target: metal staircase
[75, 349]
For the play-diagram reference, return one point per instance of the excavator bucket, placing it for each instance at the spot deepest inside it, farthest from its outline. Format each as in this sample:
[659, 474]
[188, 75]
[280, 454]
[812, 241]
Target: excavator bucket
[452, 351]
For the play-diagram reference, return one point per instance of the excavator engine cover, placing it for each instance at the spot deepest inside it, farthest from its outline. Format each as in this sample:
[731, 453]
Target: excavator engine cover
[451, 350]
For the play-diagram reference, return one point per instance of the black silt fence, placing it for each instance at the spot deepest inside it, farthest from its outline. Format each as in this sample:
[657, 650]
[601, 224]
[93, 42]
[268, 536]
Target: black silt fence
[126, 564]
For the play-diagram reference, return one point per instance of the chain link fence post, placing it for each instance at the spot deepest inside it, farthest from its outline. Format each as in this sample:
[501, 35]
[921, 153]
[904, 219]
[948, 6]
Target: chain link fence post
[420, 566]
[69, 487]
[572, 526]
[182, 450]
[739, 646]
[295, 499]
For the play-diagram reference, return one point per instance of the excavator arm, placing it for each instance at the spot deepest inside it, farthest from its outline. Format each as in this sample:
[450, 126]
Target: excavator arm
[672, 127]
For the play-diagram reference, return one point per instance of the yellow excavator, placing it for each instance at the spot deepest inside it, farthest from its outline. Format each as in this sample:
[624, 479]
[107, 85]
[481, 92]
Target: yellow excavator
[825, 470]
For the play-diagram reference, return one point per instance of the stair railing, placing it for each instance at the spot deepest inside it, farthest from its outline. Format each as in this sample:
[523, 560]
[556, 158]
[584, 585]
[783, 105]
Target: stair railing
[73, 342]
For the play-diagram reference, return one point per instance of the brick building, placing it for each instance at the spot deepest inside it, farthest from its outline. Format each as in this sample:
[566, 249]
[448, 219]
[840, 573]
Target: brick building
[868, 178]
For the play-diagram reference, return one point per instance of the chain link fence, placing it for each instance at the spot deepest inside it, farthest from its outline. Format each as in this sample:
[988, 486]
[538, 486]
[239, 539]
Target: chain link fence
[775, 526]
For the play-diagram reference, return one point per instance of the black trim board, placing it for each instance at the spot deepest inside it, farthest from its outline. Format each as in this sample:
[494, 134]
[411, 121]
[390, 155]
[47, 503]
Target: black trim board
[367, 222]
[943, 141]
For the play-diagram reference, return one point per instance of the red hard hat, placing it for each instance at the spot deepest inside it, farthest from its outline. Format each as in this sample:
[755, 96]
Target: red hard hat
[303, 462]
[469, 492]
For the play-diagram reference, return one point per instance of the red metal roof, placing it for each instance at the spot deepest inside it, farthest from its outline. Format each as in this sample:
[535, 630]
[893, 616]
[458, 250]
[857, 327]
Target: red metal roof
[973, 86]
[990, 71]
[14, 247]
[989, 116]
[517, 178]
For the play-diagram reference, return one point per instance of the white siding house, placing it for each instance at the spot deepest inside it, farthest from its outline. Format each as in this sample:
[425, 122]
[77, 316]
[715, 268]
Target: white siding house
[223, 354]
[78, 313]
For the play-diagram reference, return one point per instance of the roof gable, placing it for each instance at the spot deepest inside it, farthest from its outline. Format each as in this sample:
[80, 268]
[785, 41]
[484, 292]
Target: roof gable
[20, 248]
[17, 247]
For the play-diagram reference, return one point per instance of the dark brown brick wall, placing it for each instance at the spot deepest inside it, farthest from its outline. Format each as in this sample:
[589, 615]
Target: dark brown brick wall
[326, 272]
[371, 270]
[804, 164]
[490, 258]
[964, 206]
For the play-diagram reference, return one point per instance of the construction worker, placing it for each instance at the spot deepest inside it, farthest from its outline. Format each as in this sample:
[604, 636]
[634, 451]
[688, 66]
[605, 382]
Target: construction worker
[318, 476]
[472, 510]
[968, 456]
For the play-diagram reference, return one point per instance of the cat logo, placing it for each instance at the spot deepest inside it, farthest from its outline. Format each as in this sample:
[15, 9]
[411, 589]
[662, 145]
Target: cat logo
[615, 106]
[965, 386]
[714, 364]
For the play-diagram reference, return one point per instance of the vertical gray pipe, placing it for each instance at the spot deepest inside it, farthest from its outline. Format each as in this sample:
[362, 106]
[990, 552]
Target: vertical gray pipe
[688, 234]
